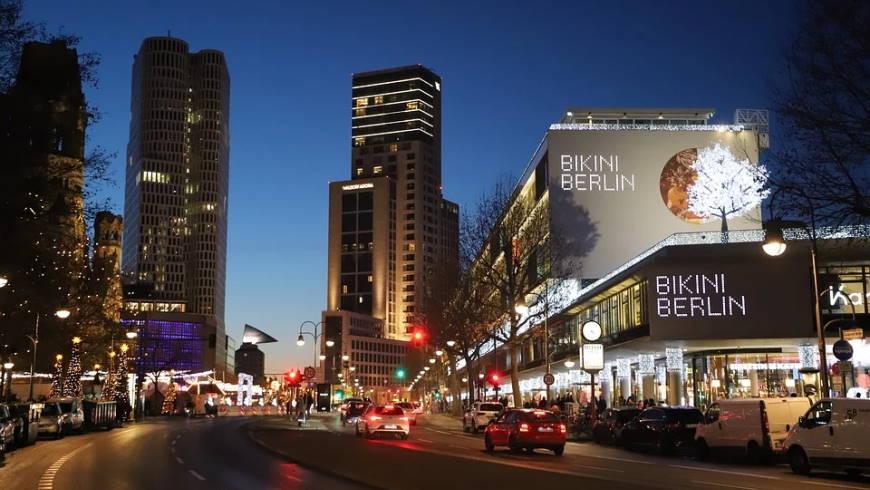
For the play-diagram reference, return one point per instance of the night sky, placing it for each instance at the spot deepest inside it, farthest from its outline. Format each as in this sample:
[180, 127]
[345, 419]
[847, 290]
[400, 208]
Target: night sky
[509, 70]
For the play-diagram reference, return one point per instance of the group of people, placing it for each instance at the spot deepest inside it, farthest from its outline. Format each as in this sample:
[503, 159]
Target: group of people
[300, 406]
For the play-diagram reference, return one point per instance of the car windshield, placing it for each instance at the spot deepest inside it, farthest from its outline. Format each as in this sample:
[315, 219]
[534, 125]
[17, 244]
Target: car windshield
[66, 407]
[490, 407]
[685, 416]
[49, 409]
[626, 415]
[389, 410]
[405, 405]
[539, 416]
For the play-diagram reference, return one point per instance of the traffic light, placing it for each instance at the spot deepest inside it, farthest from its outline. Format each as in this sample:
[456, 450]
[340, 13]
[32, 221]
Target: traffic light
[293, 378]
[400, 373]
[418, 336]
[494, 377]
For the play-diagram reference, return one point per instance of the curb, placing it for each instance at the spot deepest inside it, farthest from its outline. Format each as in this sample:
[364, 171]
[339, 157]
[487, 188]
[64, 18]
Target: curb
[329, 472]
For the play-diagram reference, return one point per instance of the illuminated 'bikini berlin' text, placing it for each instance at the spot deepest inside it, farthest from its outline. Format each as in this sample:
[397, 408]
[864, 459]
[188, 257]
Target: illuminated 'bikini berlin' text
[696, 295]
[594, 173]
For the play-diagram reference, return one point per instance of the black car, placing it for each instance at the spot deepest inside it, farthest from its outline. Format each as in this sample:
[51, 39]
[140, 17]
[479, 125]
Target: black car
[664, 428]
[608, 428]
[26, 417]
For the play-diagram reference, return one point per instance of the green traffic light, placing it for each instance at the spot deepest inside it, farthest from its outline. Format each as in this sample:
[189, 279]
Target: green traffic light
[400, 373]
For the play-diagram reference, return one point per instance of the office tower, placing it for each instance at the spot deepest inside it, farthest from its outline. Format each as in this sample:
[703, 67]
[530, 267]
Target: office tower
[390, 230]
[175, 210]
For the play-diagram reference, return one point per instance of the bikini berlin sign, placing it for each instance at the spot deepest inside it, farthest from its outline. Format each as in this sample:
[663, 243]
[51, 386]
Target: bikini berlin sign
[697, 295]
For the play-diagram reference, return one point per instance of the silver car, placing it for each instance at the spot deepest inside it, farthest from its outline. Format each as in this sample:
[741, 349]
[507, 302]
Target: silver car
[73, 414]
[51, 420]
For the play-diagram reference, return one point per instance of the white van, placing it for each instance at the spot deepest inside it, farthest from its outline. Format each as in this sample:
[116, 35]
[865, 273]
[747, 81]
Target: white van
[755, 427]
[834, 433]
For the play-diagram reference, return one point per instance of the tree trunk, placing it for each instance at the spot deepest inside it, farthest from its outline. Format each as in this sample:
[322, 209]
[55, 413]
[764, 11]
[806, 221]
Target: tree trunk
[515, 376]
[724, 229]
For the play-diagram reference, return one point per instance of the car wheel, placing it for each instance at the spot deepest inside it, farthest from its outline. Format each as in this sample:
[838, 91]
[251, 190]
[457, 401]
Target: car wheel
[487, 442]
[512, 444]
[798, 461]
[753, 453]
[702, 450]
[664, 446]
[405, 436]
[368, 434]
[559, 450]
[358, 433]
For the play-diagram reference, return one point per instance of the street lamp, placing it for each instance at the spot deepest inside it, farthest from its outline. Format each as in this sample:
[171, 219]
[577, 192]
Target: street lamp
[3, 281]
[450, 343]
[569, 364]
[8, 365]
[322, 357]
[131, 334]
[330, 342]
[522, 308]
[345, 357]
[300, 341]
[432, 361]
[439, 352]
[774, 245]
[63, 314]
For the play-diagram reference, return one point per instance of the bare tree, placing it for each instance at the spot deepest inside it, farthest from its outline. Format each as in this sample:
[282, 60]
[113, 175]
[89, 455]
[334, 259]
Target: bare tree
[824, 163]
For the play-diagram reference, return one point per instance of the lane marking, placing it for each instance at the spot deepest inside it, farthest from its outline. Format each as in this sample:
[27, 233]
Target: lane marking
[740, 473]
[47, 480]
[424, 440]
[725, 485]
[197, 475]
[294, 478]
[823, 484]
[439, 431]
[625, 460]
[173, 442]
[460, 447]
[180, 461]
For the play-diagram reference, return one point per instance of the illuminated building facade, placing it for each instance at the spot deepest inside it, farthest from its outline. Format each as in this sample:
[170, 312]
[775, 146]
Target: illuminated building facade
[390, 229]
[176, 178]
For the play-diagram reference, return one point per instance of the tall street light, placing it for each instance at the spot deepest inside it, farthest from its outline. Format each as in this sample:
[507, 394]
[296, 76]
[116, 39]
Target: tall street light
[300, 341]
[63, 314]
[522, 308]
[774, 245]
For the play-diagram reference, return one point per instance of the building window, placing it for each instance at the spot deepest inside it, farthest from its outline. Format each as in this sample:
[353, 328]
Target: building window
[378, 169]
[359, 141]
[412, 105]
[359, 170]
[362, 102]
[359, 112]
[379, 99]
[394, 147]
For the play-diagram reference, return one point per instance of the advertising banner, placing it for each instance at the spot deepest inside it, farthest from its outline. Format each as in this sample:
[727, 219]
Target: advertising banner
[615, 193]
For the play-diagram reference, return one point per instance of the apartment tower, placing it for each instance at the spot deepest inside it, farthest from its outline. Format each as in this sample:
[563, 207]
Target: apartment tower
[175, 209]
[391, 233]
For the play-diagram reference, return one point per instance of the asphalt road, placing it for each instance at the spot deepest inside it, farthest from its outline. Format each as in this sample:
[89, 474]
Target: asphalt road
[159, 454]
[438, 456]
[270, 452]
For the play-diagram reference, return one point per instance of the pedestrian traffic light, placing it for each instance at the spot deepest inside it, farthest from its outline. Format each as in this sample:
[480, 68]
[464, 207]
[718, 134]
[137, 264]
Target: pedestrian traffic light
[494, 378]
[292, 378]
[400, 373]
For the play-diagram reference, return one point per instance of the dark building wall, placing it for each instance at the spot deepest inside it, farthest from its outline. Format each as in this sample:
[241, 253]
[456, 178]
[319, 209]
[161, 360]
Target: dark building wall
[251, 360]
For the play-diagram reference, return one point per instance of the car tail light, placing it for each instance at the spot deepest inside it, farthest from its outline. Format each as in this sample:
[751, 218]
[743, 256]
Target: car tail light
[672, 425]
[524, 427]
[374, 418]
[562, 428]
[404, 419]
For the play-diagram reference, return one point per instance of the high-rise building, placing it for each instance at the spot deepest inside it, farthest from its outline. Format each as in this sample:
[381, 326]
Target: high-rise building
[175, 209]
[390, 230]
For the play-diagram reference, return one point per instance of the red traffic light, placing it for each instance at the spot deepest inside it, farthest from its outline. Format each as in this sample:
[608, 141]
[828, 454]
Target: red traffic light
[292, 377]
[494, 378]
[418, 335]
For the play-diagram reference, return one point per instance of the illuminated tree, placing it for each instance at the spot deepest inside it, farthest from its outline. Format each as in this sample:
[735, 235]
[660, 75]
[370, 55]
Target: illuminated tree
[72, 384]
[725, 186]
[120, 384]
[56, 377]
[169, 400]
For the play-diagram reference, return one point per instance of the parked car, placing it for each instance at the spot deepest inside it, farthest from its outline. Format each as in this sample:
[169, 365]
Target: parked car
[608, 428]
[51, 420]
[755, 427]
[526, 429]
[409, 410]
[7, 427]
[386, 419]
[343, 408]
[833, 434]
[26, 417]
[665, 428]
[479, 414]
[73, 415]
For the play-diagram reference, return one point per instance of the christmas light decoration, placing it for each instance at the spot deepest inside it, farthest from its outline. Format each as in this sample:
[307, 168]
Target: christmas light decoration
[56, 376]
[725, 186]
[169, 400]
[72, 384]
[121, 397]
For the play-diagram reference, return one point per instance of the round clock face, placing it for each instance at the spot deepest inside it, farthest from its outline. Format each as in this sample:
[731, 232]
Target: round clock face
[591, 331]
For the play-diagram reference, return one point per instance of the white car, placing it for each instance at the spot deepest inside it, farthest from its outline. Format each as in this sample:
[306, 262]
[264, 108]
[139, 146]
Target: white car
[834, 434]
[478, 416]
[386, 419]
[409, 410]
[73, 415]
[755, 427]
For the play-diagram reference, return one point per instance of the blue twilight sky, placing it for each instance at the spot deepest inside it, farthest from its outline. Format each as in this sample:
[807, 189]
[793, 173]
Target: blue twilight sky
[509, 68]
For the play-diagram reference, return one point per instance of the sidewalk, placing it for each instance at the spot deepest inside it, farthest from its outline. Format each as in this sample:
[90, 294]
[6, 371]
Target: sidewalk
[441, 421]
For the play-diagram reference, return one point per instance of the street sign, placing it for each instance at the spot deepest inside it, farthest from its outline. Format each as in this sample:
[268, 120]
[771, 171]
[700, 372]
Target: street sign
[593, 357]
[310, 372]
[844, 367]
[549, 379]
[842, 350]
[853, 334]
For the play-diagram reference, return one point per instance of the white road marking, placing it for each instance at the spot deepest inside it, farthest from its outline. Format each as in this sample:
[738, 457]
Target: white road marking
[439, 431]
[460, 447]
[823, 484]
[625, 460]
[180, 461]
[47, 480]
[294, 478]
[173, 442]
[725, 485]
[197, 475]
[424, 440]
[740, 473]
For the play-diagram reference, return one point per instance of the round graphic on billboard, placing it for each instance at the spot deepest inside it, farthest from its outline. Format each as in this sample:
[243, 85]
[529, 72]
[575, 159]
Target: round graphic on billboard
[677, 175]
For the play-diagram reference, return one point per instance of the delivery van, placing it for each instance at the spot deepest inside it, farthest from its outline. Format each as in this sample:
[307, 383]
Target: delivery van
[833, 434]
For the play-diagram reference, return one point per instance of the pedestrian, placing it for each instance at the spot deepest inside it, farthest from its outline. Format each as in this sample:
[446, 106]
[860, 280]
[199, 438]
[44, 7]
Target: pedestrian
[602, 404]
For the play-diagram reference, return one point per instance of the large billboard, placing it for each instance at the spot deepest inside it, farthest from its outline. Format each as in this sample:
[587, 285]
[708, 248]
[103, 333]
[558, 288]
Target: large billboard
[615, 193]
[735, 292]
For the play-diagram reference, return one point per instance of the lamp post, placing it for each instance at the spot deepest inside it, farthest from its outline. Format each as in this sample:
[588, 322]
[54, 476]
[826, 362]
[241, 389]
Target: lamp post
[63, 315]
[522, 308]
[774, 245]
[7, 377]
[300, 341]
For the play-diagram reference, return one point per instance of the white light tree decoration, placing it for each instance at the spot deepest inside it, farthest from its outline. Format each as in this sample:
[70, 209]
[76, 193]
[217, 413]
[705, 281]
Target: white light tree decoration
[725, 186]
